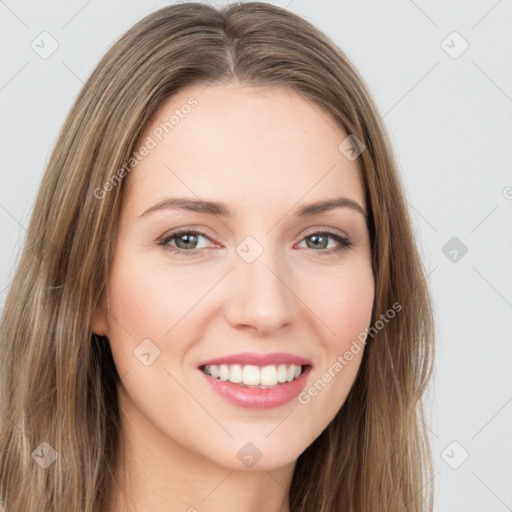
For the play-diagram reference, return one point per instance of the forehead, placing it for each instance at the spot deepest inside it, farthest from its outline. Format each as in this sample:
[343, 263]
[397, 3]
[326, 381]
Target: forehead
[249, 146]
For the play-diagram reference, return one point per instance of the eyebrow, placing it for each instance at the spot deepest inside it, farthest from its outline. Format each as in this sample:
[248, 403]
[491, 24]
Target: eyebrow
[223, 210]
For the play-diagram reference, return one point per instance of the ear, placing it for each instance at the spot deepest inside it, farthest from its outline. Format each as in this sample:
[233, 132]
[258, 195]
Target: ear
[99, 319]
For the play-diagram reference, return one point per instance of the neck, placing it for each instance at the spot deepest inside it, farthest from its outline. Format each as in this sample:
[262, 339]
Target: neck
[157, 474]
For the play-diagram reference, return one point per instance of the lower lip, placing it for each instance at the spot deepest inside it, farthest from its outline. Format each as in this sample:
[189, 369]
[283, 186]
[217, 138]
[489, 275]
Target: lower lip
[254, 398]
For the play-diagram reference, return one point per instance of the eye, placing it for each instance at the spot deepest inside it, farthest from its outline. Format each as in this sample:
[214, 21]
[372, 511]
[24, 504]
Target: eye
[185, 241]
[320, 239]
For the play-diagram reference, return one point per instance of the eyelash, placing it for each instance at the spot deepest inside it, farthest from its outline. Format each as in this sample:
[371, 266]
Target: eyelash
[345, 243]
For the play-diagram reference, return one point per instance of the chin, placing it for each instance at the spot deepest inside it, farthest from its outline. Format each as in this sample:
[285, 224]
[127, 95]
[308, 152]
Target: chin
[256, 453]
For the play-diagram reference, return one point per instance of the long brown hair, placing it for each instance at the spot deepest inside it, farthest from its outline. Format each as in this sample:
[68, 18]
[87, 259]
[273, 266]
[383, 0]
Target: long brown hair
[58, 379]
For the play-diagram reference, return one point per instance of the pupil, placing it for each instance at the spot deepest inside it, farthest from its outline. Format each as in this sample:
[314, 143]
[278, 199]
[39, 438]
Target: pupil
[316, 237]
[187, 238]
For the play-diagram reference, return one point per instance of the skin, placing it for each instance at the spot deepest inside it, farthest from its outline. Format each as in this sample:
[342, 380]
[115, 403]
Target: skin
[264, 152]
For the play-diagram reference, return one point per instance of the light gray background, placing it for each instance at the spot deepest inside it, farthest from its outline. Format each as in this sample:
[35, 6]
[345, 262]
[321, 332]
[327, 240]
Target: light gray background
[451, 126]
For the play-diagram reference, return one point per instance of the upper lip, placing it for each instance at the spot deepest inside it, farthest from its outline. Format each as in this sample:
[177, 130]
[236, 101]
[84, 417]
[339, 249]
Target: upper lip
[256, 359]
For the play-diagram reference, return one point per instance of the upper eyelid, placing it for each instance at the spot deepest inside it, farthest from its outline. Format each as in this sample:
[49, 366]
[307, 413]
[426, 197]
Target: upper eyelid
[335, 231]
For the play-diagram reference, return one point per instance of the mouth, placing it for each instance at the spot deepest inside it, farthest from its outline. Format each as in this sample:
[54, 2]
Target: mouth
[253, 376]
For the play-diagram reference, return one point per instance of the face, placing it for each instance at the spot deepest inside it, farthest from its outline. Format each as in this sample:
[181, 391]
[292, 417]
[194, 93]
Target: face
[232, 336]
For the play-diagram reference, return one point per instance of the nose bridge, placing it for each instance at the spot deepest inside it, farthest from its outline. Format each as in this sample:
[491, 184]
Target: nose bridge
[260, 296]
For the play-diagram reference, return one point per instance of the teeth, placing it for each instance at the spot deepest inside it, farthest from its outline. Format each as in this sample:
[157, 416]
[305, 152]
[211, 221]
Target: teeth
[235, 374]
[269, 375]
[252, 375]
[223, 372]
[281, 373]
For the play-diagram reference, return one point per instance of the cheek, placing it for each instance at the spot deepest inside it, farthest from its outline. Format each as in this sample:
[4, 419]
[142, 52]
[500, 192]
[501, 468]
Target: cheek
[342, 301]
[352, 305]
[159, 303]
[345, 314]
[148, 300]
[139, 310]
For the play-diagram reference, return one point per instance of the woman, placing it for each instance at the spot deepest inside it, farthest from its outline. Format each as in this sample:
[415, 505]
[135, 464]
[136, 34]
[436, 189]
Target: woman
[279, 362]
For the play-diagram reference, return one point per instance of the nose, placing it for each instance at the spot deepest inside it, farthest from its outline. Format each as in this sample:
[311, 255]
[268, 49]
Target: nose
[260, 295]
